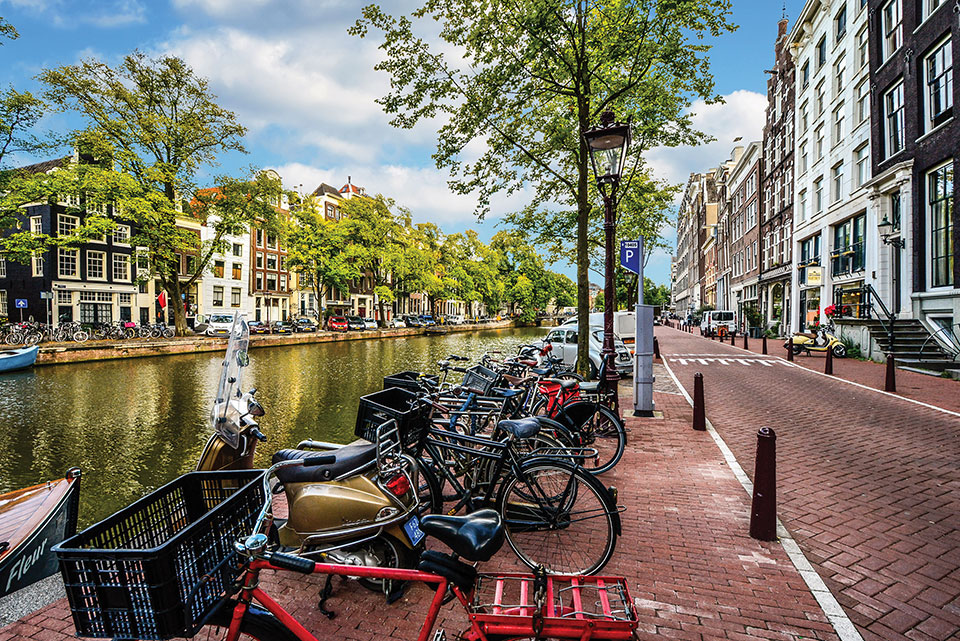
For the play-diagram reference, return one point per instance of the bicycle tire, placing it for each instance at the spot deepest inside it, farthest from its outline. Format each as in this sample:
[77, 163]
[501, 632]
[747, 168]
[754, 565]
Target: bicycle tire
[257, 624]
[80, 336]
[597, 426]
[167, 332]
[551, 498]
[32, 338]
[428, 489]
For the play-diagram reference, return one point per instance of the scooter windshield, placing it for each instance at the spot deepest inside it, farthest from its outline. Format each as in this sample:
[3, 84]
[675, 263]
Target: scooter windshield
[225, 414]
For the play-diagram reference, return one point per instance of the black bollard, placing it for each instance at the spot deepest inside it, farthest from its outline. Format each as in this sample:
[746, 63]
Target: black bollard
[890, 384]
[828, 365]
[699, 418]
[790, 350]
[746, 343]
[763, 349]
[763, 512]
[656, 347]
[733, 337]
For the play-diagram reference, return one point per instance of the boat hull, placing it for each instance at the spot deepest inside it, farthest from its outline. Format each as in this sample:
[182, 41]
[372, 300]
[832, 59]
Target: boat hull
[15, 359]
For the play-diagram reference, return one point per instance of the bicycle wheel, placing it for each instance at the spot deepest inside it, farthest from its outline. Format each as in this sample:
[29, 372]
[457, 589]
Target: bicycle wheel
[80, 336]
[558, 516]
[599, 428]
[32, 338]
[428, 490]
[167, 332]
[257, 624]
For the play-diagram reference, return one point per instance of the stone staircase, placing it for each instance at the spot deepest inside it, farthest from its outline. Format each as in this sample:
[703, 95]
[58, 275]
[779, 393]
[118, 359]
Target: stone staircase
[912, 347]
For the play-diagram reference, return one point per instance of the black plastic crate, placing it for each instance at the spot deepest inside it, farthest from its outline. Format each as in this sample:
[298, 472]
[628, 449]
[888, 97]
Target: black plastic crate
[131, 575]
[410, 380]
[395, 403]
[480, 378]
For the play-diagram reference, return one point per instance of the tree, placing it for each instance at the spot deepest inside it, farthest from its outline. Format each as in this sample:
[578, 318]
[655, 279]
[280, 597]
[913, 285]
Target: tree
[159, 124]
[7, 30]
[598, 302]
[532, 76]
[317, 250]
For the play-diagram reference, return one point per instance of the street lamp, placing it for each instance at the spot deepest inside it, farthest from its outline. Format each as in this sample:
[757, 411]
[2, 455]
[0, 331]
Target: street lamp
[885, 227]
[608, 145]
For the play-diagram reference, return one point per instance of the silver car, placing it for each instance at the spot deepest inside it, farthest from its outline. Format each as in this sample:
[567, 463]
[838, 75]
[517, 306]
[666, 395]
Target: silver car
[564, 342]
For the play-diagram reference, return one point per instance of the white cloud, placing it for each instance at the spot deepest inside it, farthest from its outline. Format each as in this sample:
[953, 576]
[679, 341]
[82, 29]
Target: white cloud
[740, 115]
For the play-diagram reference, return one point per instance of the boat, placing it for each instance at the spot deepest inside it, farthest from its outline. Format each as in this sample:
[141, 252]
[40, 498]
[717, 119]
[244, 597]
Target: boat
[13, 359]
[33, 520]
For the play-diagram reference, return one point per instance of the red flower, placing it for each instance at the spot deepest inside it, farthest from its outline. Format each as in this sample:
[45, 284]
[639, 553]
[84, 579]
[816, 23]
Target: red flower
[830, 310]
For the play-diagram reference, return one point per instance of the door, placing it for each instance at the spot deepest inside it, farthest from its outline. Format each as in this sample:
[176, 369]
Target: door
[895, 279]
[556, 338]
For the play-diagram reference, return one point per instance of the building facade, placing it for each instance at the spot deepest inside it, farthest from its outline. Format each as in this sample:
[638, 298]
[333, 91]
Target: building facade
[743, 188]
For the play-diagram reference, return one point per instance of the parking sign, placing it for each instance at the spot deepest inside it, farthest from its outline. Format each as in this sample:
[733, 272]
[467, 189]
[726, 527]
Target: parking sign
[630, 255]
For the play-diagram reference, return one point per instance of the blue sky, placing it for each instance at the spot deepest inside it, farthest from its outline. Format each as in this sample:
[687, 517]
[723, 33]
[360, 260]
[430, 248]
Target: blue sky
[305, 89]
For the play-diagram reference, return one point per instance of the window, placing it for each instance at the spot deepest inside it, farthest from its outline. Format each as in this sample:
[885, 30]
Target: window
[836, 182]
[95, 264]
[822, 52]
[929, 6]
[861, 162]
[259, 281]
[863, 49]
[237, 271]
[838, 125]
[64, 298]
[3, 268]
[234, 297]
[259, 238]
[3, 302]
[839, 70]
[940, 199]
[818, 143]
[805, 74]
[804, 118]
[271, 241]
[36, 225]
[283, 282]
[66, 224]
[840, 23]
[191, 265]
[121, 235]
[802, 205]
[892, 28]
[121, 267]
[861, 110]
[895, 209]
[272, 282]
[271, 261]
[938, 69]
[809, 255]
[217, 296]
[820, 98]
[282, 263]
[804, 160]
[124, 299]
[237, 249]
[259, 260]
[818, 195]
[36, 265]
[848, 246]
[218, 268]
[893, 117]
[67, 260]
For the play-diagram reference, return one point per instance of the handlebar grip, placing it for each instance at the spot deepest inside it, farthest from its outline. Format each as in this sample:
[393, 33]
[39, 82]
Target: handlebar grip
[459, 369]
[454, 357]
[260, 436]
[291, 562]
[325, 459]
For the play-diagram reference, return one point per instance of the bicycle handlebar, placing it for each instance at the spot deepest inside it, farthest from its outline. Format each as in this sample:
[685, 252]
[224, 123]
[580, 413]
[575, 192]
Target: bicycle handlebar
[291, 562]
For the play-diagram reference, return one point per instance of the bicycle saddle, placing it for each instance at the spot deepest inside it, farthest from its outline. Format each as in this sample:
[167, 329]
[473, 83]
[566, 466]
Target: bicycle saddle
[589, 386]
[349, 457]
[540, 371]
[521, 427]
[475, 537]
[505, 392]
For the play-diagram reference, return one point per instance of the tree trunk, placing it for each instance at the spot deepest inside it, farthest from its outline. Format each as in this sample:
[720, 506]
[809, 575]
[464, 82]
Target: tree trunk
[583, 255]
[176, 302]
[383, 318]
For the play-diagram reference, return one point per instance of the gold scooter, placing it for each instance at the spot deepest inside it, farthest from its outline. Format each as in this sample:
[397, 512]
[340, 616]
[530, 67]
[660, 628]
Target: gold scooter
[819, 341]
[361, 508]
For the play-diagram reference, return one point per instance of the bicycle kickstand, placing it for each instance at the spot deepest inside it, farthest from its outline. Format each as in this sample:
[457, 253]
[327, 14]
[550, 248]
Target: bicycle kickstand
[324, 595]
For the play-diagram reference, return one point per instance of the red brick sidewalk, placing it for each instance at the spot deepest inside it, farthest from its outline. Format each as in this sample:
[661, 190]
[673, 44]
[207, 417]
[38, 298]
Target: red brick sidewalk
[869, 484]
[691, 566]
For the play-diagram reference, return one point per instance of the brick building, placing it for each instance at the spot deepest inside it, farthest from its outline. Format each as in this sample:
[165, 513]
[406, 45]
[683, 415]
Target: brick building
[743, 185]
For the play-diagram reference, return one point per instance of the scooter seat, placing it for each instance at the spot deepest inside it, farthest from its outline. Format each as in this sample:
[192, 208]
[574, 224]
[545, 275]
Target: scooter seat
[475, 537]
[349, 457]
[521, 427]
[807, 334]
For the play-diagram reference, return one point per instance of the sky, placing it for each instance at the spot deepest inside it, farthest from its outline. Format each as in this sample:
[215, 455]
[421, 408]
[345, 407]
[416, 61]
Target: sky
[306, 91]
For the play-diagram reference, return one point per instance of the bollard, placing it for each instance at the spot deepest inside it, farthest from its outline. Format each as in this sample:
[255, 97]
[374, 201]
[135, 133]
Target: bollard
[733, 337]
[790, 350]
[890, 384]
[828, 365]
[746, 343]
[763, 512]
[699, 418]
[763, 348]
[656, 347]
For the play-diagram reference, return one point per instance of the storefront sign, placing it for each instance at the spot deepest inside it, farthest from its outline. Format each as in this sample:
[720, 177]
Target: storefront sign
[814, 275]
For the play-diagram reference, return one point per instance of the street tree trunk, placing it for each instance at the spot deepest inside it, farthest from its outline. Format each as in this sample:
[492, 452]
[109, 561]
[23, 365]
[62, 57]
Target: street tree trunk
[583, 254]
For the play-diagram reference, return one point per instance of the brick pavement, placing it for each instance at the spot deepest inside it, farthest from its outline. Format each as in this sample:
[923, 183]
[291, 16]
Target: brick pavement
[691, 566]
[869, 484]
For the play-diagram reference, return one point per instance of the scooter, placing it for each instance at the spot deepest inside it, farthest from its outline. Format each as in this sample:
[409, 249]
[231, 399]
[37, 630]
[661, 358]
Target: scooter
[820, 341]
[362, 508]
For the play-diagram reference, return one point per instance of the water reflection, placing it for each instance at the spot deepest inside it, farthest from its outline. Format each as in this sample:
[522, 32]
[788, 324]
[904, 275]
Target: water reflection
[133, 425]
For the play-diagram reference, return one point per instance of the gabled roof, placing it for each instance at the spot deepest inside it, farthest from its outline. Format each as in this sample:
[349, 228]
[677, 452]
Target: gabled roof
[351, 188]
[326, 190]
[47, 165]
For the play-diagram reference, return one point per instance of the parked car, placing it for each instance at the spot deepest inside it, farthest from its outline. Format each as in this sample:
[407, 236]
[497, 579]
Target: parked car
[337, 324]
[427, 320]
[396, 321]
[712, 321]
[456, 319]
[282, 327]
[258, 327]
[219, 325]
[369, 323]
[564, 341]
[624, 324]
[304, 324]
[412, 321]
[355, 323]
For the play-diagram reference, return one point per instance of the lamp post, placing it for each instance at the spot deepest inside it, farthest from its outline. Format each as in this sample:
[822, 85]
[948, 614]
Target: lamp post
[608, 145]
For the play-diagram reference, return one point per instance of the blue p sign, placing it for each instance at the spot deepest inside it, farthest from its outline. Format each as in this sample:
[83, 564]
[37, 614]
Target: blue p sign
[630, 255]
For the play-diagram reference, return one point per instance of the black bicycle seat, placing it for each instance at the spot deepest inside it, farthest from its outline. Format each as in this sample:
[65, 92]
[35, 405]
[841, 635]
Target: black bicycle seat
[506, 393]
[540, 371]
[521, 427]
[349, 457]
[475, 537]
[589, 386]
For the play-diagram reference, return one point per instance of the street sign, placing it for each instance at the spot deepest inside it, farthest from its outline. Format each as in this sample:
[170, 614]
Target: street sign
[21, 303]
[46, 295]
[631, 255]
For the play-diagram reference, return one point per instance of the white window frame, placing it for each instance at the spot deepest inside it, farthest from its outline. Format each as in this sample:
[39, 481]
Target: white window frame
[36, 265]
[804, 158]
[862, 48]
[93, 256]
[836, 182]
[928, 213]
[891, 28]
[3, 268]
[927, 7]
[931, 120]
[818, 144]
[66, 224]
[121, 235]
[837, 125]
[893, 114]
[818, 195]
[75, 255]
[36, 225]
[121, 260]
[3, 303]
[802, 205]
[861, 108]
[861, 163]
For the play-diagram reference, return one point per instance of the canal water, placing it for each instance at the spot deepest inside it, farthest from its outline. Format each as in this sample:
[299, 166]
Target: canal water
[132, 425]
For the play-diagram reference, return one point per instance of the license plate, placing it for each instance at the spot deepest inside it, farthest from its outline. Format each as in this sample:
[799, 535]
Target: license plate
[412, 528]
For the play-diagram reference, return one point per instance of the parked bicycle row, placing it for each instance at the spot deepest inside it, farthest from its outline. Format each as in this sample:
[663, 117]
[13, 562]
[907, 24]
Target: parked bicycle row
[516, 443]
[31, 333]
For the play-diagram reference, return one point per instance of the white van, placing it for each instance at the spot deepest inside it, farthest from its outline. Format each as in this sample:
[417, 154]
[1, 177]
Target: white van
[624, 325]
[219, 325]
[712, 321]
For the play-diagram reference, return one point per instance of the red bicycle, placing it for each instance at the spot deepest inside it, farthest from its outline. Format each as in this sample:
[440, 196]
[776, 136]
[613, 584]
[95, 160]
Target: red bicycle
[498, 606]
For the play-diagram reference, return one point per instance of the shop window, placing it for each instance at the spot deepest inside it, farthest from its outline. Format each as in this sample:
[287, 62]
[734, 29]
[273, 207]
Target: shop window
[848, 246]
[940, 212]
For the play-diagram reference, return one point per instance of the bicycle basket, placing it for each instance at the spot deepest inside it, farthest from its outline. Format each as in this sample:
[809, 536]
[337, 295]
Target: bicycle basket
[401, 405]
[410, 380]
[132, 575]
[480, 378]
